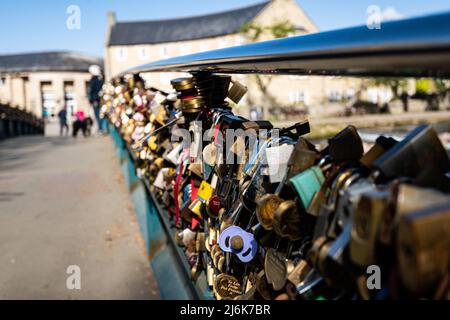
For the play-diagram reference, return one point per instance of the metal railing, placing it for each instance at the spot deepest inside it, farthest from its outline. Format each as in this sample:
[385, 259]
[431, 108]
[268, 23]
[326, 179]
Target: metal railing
[15, 122]
[418, 47]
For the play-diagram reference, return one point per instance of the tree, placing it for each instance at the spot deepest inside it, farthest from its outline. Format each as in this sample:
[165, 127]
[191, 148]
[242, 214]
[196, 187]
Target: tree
[254, 32]
[398, 87]
[434, 91]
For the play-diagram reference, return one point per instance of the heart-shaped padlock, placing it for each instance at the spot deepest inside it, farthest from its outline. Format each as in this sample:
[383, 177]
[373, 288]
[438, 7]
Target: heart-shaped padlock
[275, 267]
[241, 243]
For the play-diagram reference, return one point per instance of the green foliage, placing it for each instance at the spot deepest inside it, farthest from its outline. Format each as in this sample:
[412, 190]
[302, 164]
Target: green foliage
[423, 86]
[282, 29]
[442, 86]
[279, 29]
[252, 31]
[397, 85]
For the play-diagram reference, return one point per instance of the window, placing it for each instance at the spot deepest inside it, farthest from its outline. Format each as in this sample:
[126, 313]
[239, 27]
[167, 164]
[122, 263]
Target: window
[143, 53]
[350, 93]
[86, 87]
[48, 99]
[70, 97]
[164, 52]
[334, 96]
[297, 97]
[121, 54]
[2, 81]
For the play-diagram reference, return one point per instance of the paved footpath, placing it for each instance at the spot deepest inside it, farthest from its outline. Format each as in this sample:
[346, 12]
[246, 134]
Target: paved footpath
[64, 202]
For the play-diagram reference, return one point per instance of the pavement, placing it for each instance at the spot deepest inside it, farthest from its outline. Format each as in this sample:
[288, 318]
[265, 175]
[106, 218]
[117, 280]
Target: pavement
[63, 202]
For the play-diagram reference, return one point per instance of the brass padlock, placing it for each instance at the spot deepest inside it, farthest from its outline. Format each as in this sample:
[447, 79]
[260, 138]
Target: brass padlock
[423, 249]
[371, 209]
[265, 209]
[227, 286]
[287, 221]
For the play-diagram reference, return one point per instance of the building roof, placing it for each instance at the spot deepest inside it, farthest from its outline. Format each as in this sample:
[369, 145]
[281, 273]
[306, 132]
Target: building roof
[180, 29]
[47, 61]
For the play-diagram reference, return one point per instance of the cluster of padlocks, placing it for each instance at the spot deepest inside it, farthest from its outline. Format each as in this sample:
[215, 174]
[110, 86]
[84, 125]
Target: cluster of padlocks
[266, 215]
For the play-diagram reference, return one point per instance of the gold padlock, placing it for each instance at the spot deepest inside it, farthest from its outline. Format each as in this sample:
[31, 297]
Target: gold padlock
[192, 105]
[287, 221]
[159, 162]
[196, 208]
[265, 209]
[161, 116]
[181, 84]
[411, 198]
[196, 168]
[152, 143]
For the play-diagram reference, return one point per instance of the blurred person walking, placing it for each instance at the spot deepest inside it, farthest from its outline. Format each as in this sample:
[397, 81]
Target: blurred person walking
[95, 87]
[79, 123]
[62, 115]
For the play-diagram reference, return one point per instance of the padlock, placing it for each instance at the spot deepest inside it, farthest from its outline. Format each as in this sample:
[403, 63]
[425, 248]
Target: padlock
[213, 206]
[237, 91]
[423, 248]
[277, 158]
[275, 268]
[419, 153]
[329, 258]
[296, 130]
[346, 146]
[382, 144]
[227, 287]
[205, 192]
[302, 158]
[152, 143]
[196, 168]
[410, 198]
[184, 237]
[287, 221]
[372, 208]
[263, 287]
[299, 160]
[266, 207]
[297, 275]
[196, 207]
[210, 275]
[210, 154]
[198, 267]
[257, 125]
[307, 183]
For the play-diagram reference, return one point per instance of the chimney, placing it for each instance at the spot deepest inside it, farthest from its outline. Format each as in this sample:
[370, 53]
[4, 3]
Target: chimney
[111, 18]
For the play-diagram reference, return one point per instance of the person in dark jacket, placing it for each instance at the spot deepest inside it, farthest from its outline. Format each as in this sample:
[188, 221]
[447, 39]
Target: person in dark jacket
[62, 115]
[95, 87]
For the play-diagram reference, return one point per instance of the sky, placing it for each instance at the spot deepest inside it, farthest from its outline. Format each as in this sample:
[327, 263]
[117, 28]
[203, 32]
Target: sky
[30, 25]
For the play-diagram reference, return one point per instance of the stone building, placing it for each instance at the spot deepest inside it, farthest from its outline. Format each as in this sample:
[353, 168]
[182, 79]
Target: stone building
[129, 44]
[43, 82]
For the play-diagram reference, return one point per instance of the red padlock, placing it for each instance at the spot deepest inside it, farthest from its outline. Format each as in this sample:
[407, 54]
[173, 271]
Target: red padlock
[213, 206]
